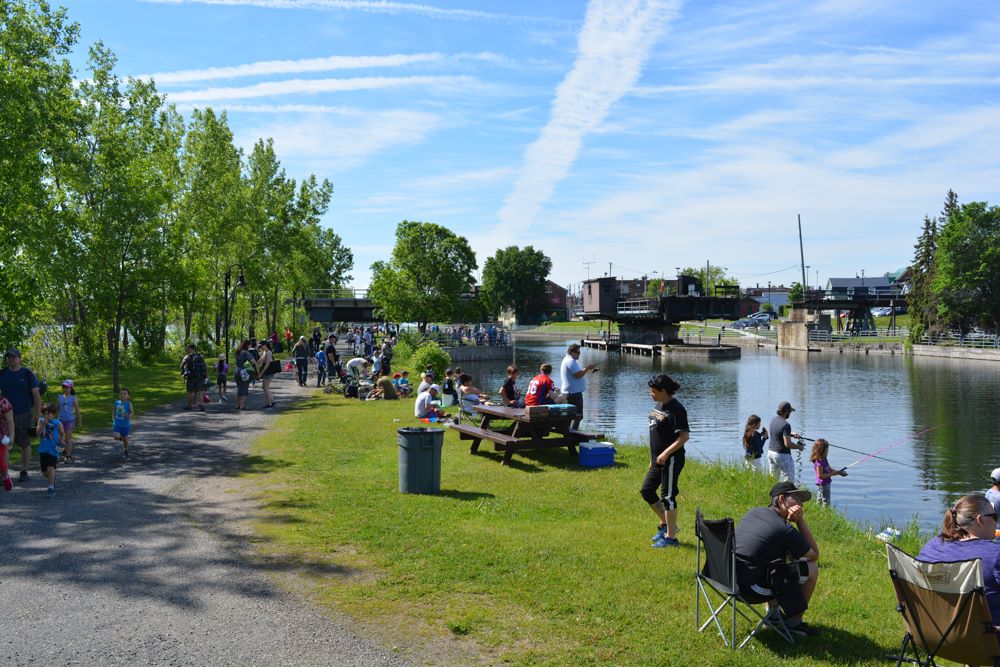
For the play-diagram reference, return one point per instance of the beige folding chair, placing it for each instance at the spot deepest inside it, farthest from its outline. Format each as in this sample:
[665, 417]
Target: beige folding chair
[944, 609]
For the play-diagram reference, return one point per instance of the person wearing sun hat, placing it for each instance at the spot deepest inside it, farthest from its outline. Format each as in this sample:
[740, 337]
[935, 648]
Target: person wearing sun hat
[779, 533]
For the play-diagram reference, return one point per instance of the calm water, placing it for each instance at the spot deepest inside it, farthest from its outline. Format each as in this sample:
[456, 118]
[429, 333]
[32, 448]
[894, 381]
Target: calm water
[865, 403]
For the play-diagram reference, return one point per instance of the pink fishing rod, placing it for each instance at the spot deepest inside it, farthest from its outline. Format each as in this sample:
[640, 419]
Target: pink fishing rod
[895, 444]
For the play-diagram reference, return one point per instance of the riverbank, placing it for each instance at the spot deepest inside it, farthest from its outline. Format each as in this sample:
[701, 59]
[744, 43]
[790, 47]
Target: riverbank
[541, 562]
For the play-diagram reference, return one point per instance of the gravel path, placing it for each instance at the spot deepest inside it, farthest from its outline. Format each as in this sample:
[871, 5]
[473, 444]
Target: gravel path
[144, 562]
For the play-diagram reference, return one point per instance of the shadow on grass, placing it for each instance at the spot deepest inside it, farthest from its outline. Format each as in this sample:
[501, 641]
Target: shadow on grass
[465, 495]
[834, 645]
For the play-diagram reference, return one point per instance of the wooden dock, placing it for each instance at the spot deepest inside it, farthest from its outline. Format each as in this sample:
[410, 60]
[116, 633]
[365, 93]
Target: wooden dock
[599, 344]
[642, 350]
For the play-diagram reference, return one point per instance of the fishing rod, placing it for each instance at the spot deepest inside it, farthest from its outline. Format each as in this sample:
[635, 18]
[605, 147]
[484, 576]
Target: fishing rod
[857, 451]
[885, 449]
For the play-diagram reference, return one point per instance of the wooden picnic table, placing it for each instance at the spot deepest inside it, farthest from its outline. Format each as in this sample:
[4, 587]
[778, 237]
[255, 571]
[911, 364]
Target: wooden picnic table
[527, 432]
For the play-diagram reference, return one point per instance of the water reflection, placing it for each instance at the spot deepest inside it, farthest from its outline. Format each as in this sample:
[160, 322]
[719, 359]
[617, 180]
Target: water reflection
[863, 402]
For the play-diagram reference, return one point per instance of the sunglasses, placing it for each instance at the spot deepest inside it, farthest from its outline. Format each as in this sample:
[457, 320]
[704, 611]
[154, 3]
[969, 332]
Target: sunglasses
[654, 384]
[992, 515]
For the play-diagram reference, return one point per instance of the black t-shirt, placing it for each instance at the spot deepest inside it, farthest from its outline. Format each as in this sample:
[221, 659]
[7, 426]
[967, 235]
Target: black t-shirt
[762, 536]
[331, 353]
[665, 424]
[509, 390]
[777, 431]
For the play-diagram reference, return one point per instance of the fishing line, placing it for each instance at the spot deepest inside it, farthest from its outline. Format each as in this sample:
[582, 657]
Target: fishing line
[857, 451]
[896, 444]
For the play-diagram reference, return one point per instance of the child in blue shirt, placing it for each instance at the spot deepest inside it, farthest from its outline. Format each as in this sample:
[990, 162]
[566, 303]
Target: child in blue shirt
[404, 384]
[51, 434]
[320, 368]
[123, 418]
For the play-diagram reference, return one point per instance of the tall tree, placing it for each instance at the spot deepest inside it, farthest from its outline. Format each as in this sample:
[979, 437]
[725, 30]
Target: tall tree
[430, 269]
[922, 300]
[514, 278]
[121, 189]
[36, 108]
[967, 278]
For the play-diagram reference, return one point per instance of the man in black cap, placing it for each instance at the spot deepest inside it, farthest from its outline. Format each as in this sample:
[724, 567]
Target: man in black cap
[776, 562]
[20, 386]
[779, 454]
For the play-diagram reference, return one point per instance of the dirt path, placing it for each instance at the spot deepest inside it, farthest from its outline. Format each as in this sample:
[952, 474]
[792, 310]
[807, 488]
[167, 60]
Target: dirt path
[145, 561]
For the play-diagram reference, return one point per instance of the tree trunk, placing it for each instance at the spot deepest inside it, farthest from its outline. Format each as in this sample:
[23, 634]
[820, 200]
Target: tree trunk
[251, 328]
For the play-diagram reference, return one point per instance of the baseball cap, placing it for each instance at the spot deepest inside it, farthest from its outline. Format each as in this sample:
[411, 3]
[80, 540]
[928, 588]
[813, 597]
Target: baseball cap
[67, 383]
[789, 489]
[12, 352]
[995, 475]
[434, 387]
[785, 405]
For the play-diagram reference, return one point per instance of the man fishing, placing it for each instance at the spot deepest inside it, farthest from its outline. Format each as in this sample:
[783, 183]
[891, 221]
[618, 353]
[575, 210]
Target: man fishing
[779, 454]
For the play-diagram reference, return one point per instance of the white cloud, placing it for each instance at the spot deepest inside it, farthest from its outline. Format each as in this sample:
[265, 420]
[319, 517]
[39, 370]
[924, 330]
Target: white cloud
[613, 46]
[313, 86]
[373, 6]
[329, 63]
[325, 142]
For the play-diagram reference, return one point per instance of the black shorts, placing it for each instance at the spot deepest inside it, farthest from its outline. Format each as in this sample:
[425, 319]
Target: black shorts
[23, 428]
[195, 383]
[46, 461]
[576, 400]
[754, 589]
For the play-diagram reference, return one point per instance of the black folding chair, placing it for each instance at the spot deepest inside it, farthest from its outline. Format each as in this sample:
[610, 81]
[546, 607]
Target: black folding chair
[944, 609]
[718, 574]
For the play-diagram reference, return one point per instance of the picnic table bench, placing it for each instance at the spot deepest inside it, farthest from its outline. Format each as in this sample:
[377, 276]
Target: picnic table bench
[530, 431]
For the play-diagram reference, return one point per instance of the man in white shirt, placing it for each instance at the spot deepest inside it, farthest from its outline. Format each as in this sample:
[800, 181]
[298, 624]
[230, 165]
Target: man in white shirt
[424, 406]
[572, 380]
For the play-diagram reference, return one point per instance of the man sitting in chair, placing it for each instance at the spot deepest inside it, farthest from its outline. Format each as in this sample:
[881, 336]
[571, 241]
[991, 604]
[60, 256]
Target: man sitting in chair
[765, 535]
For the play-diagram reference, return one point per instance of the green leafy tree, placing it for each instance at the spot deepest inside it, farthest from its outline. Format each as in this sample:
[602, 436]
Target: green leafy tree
[36, 109]
[967, 277]
[429, 271]
[795, 292]
[514, 278]
[711, 276]
[120, 183]
[659, 287]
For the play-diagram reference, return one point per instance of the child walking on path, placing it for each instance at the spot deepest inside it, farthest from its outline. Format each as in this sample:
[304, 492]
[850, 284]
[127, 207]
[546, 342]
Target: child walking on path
[221, 378]
[6, 437]
[51, 434]
[754, 438]
[824, 472]
[69, 416]
[320, 368]
[123, 418]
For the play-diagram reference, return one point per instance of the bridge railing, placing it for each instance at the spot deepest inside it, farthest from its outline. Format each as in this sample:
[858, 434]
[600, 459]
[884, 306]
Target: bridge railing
[639, 307]
[338, 293]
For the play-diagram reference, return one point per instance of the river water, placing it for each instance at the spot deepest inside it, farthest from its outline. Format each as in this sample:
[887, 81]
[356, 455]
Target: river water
[938, 417]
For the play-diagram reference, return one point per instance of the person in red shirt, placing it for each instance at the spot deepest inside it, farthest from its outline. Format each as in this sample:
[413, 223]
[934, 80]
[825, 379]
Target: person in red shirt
[541, 389]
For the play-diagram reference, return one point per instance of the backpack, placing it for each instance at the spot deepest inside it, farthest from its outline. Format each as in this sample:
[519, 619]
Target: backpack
[197, 365]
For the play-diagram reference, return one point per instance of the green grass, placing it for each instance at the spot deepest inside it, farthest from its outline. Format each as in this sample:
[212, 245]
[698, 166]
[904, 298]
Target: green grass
[149, 386]
[574, 327]
[539, 563]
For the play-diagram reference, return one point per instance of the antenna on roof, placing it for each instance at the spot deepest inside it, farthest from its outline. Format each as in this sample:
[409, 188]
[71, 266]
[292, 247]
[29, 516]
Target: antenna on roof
[587, 264]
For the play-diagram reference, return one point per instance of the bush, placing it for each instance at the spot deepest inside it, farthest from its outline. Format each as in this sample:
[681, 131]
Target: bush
[402, 353]
[430, 354]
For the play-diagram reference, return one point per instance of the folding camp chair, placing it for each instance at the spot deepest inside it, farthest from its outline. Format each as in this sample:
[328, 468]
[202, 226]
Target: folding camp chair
[944, 609]
[466, 413]
[718, 574]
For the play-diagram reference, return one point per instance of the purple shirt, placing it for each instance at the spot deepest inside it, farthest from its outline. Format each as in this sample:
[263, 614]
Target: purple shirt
[940, 551]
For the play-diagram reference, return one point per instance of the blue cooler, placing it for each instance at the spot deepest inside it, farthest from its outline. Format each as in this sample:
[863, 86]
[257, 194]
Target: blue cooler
[597, 454]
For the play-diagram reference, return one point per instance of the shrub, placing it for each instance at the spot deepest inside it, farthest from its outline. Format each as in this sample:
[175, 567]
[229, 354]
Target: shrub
[430, 354]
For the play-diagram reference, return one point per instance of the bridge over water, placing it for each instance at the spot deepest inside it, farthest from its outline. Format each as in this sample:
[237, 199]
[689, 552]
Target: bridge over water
[339, 305]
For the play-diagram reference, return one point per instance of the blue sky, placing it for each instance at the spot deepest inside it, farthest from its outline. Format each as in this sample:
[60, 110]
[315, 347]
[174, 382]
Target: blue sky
[648, 134]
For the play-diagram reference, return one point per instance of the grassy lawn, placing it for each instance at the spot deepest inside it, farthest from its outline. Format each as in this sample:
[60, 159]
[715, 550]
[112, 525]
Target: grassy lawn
[539, 563]
[576, 327]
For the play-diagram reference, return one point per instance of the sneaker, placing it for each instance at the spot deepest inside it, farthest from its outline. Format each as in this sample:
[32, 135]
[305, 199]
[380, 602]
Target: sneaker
[187, 407]
[660, 533]
[201, 407]
[803, 629]
[8, 483]
[223, 399]
[51, 491]
[666, 542]
[23, 477]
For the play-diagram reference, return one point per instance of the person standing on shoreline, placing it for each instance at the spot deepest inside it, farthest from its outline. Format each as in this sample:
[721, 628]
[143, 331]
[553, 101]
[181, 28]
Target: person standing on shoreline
[572, 380]
[668, 432]
[779, 449]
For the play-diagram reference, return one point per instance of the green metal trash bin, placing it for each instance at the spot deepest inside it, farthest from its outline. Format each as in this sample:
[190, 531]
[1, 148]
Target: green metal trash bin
[420, 459]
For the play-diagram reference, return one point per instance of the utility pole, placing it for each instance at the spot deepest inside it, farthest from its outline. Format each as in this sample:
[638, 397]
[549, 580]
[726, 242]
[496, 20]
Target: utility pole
[802, 257]
[587, 264]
